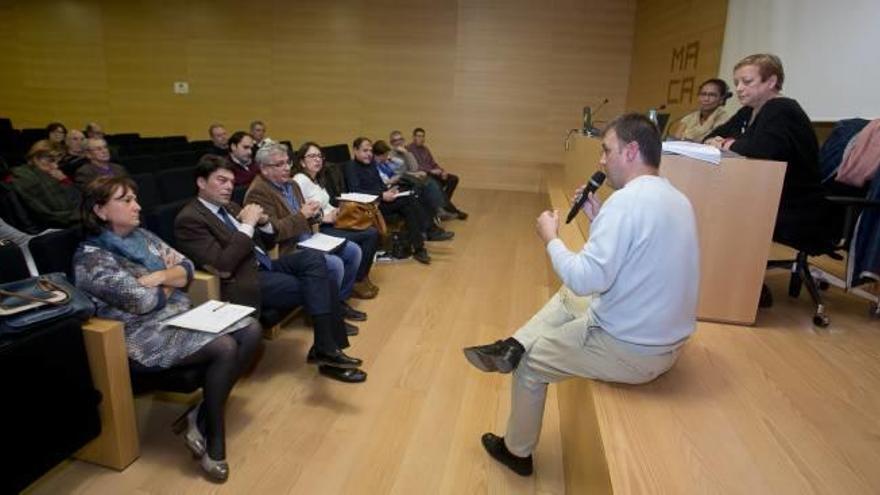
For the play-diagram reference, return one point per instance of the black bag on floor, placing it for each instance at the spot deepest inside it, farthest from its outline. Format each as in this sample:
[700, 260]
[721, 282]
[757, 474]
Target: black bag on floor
[400, 245]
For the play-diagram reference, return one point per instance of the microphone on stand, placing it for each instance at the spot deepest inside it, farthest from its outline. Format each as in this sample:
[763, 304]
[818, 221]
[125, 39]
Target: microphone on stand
[595, 181]
[589, 129]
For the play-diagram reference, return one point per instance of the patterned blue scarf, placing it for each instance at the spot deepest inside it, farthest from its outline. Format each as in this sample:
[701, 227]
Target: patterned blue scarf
[133, 247]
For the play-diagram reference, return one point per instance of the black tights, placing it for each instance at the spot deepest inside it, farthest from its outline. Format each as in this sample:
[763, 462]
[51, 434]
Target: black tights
[225, 358]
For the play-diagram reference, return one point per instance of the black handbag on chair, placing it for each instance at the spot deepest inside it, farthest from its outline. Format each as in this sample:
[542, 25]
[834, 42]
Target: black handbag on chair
[37, 300]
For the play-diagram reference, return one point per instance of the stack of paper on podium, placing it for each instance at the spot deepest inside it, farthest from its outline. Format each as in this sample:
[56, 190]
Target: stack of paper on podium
[697, 151]
[212, 316]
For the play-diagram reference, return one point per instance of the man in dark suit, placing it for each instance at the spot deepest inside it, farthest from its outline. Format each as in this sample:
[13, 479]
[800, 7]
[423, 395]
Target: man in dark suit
[231, 243]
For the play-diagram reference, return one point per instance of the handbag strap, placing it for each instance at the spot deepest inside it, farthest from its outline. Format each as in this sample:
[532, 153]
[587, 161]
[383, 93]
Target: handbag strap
[45, 284]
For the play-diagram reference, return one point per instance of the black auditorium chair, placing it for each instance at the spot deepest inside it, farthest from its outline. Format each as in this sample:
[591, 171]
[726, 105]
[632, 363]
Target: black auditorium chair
[184, 159]
[148, 191]
[123, 139]
[53, 252]
[13, 212]
[336, 153]
[160, 220]
[200, 146]
[13, 262]
[140, 164]
[176, 184]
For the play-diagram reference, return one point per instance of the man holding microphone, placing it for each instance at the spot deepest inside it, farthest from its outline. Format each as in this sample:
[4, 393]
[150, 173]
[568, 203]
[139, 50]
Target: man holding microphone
[628, 300]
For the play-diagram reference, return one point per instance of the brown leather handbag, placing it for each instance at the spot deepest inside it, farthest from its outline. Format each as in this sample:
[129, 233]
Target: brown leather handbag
[360, 216]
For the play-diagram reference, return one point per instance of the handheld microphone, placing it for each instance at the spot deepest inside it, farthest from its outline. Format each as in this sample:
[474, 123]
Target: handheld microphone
[595, 181]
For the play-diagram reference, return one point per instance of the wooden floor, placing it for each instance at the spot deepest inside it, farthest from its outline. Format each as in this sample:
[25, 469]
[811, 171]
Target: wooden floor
[780, 407]
[414, 426]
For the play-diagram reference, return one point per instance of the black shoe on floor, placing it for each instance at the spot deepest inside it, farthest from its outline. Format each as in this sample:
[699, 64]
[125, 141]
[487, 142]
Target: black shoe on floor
[422, 256]
[338, 359]
[343, 375]
[437, 234]
[494, 445]
[352, 314]
[461, 215]
[502, 356]
[351, 330]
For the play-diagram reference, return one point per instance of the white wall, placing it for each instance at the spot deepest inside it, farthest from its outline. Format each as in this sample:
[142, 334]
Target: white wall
[830, 51]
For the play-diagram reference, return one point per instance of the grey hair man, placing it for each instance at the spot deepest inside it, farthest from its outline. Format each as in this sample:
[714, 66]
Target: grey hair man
[99, 164]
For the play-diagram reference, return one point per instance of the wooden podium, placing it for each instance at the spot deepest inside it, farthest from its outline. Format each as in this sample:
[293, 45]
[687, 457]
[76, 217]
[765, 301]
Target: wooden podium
[735, 204]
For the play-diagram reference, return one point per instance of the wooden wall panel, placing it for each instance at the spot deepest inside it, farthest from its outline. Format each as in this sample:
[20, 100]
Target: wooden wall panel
[677, 46]
[496, 83]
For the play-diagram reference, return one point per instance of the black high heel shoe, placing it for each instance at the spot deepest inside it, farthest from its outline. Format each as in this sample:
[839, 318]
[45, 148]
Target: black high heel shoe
[187, 424]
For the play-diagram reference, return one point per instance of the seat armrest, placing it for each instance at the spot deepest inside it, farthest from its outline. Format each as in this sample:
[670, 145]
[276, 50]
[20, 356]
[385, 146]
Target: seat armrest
[203, 287]
[118, 445]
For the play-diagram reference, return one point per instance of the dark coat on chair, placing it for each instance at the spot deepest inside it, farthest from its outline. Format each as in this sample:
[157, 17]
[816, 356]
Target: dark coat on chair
[207, 241]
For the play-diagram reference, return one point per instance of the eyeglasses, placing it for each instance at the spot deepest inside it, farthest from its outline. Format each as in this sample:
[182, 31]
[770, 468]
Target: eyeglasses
[314, 156]
[285, 163]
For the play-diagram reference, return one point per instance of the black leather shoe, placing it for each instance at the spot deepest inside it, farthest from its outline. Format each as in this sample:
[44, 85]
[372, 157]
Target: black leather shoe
[461, 215]
[338, 359]
[351, 330]
[422, 256]
[502, 356]
[352, 314]
[436, 234]
[343, 375]
[494, 445]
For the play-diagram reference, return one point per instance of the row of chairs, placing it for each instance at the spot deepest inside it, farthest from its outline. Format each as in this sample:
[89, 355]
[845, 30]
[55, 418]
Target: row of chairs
[139, 164]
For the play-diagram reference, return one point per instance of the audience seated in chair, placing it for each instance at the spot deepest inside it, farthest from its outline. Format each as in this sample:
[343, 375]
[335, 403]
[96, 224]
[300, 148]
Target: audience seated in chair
[99, 164]
[231, 242]
[362, 176]
[134, 277]
[219, 140]
[311, 176]
[448, 182]
[407, 165]
[56, 133]
[292, 218]
[393, 173]
[241, 157]
[75, 152]
[48, 195]
[94, 130]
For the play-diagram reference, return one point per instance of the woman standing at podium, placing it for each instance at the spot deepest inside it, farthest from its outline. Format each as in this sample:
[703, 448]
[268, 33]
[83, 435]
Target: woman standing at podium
[770, 126]
[711, 114]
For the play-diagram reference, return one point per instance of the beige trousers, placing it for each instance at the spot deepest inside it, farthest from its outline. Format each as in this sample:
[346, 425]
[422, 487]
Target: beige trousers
[561, 341]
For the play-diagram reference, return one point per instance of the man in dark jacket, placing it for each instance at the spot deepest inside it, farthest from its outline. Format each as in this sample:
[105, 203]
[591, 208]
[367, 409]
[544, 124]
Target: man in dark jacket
[231, 243]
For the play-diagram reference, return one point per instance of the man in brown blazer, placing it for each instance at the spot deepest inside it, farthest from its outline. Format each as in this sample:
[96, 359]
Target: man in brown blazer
[293, 217]
[230, 242]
